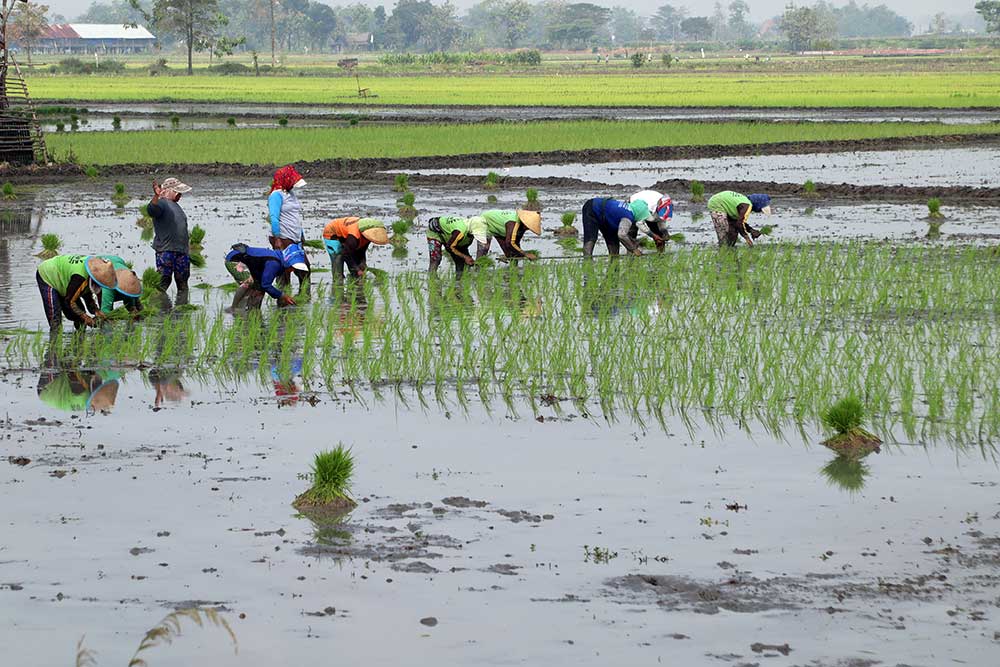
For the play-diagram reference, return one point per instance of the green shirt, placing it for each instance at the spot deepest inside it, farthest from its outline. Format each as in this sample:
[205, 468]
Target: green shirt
[58, 271]
[728, 202]
[496, 221]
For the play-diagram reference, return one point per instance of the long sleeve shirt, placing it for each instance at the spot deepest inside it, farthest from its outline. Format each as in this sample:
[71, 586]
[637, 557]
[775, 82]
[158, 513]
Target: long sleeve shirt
[285, 214]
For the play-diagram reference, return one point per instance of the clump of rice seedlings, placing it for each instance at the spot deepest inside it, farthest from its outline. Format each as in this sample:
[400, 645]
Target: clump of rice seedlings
[315, 244]
[809, 188]
[677, 238]
[844, 418]
[116, 122]
[400, 251]
[697, 216]
[491, 199]
[567, 228]
[331, 475]
[809, 211]
[934, 229]
[197, 260]
[150, 281]
[402, 183]
[846, 473]
[91, 172]
[405, 206]
[934, 209]
[697, 191]
[283, 122]
[492, 181]
[170, 628]
[197, 237]
[231, 122]
[767, 230]
[533, 204]
[51, 243]
[120, 197]
[9, 193]
[60, 126]
[175, 121]
[399, 231]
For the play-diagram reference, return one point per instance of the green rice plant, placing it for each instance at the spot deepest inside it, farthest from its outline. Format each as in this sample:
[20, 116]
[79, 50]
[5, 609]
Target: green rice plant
[697, 216]
[91, 172]
[231, 122]
[532, 195]
[809, 189]
[491, 199]
[283, 122]
[402, 183]
[934, 229]
[170, 628]
[197, 260]
[116, 122]
[60, 126]
[51, 244]
[9, 193]
[697, 191]
[492, 181]
[175, 121]
[405, 206]
[567, 229]
[196, 238]
[315, 244]
[767, 230]
[846, 473]
[934, 208]
[150, 281]
[400, 228]
[331, 475]
[844, 416]
[120, 197]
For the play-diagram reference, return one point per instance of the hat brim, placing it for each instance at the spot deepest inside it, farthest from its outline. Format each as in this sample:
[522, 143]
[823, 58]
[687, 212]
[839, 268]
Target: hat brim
[301, 183]
[530, 219]
[128, 275]
[300, 266]
[376, 235]
[766, 210]
[103, 283]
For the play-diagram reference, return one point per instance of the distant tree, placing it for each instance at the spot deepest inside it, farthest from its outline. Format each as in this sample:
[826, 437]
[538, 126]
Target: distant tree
[718, 22]
[194, 21]
[575, 24]
[867, 20]
[403, 27]
[939, 24]
[511, 19]
[804, 26]
[739, 20]
[698, 28]
[990, 11]
[668, 21]
[114, 11]
[29, 24]
[625, 25]
[439, 29]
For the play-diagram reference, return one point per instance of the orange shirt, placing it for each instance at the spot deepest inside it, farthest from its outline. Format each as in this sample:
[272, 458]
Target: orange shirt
[341, 228]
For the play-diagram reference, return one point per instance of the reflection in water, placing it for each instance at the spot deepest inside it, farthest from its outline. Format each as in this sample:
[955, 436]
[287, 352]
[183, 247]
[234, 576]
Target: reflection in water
[20, 225]
[167, 385]
[846, 473]
[79, 390]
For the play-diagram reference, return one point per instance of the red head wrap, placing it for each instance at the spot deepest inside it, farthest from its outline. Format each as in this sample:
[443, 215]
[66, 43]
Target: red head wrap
[285, 178]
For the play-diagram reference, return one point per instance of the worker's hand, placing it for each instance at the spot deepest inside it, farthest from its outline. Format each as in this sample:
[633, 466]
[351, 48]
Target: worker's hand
[748, 240]
[637, 252]
[157, 190]
[469, 261]
[531, 255]
[101, 315]
[661, 244]
[285, 300]
[360, 273]
[89, 321]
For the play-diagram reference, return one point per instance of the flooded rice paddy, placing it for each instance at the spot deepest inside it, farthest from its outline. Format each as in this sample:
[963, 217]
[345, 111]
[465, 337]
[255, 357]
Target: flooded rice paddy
[533, 517]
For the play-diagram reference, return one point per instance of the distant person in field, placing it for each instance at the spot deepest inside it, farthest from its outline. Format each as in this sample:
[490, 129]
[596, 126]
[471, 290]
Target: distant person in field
[68, 283]
[128, 289]
[508, 228]
[170, 236]
[454, 235]
[616, 221]
[347, 241]
[730, 212]
[661, 211]
[285, 214]
[265, 266]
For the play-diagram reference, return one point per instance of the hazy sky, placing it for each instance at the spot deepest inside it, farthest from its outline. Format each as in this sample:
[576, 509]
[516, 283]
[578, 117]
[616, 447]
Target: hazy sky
[759, 9]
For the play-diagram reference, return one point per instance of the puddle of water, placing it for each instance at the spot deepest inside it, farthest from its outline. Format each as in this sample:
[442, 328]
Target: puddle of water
[232, 210]
[206, 517]
[972, 167]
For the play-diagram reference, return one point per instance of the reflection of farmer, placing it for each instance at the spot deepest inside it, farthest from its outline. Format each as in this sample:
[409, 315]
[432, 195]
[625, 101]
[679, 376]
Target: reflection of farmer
[68, 284]
[347, 240]
[265, 266]
[508, 227]
[128, 289]
[616, 221]
[285, 214]
[167, 383]
[730, 212]
[79, 390]
[286, 390]
[170, 236]
[455, 235]
[661, 210]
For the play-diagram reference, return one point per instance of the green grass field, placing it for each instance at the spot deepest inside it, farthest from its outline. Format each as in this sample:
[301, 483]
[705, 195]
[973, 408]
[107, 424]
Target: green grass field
[280, 146]
[904, 89]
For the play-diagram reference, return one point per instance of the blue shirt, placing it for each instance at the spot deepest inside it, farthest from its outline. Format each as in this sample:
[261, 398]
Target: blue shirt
[610, 212]
[265, 266]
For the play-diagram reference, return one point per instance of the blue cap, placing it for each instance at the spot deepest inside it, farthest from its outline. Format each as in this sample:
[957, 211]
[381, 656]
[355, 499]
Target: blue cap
[759, 202]
[294, 257]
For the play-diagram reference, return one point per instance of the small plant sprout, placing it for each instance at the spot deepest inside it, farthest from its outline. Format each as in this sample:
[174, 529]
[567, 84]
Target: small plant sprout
[175, 121]
[283, 122]
[120, 197]
[116, 122]
[91, 172]
[231, 122]
[567, 228]
[809, 188]
[492, 181]
[402, 183]
[60, 126]
[844, 418]
[934, 209]
[331, 475]
[405, 206]
[533, 204]
[399, 230]
[491, 199]
[697, 191]
[197, 237]
[150, 281]
[8, 191]
[51, 244]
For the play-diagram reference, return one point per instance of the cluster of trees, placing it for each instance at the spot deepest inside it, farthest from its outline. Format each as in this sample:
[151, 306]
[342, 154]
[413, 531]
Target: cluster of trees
[815, 26]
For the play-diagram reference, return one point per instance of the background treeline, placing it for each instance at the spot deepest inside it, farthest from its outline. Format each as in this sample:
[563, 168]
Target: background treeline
[423, 25]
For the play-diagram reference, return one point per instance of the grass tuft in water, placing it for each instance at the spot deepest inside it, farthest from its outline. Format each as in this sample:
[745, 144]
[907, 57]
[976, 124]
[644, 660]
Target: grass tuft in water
[697, 191]
[845, 418]
[402, 183]
[331, 475]
[51, 243]
[9, 193]
[492, 181]
[934, 209]
[809, 188]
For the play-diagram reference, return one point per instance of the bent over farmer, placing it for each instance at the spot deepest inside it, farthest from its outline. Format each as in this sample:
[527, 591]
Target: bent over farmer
[616, 221]
[730, 212]
[661, 211]
[170, 236]
[347, 240]
[454, 235]
[68, 284]
[128, 289]
[508, 228]
[265, 266]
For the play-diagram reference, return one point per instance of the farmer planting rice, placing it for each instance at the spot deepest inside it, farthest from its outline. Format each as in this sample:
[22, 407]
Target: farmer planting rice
[616, 221]
[730, 212]
[265, 266]
[661, 211]
[455, 235]
[508, 228]
[68, 284]
[285, 214]
[347, 240]
[170, 236]
[127, 290]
